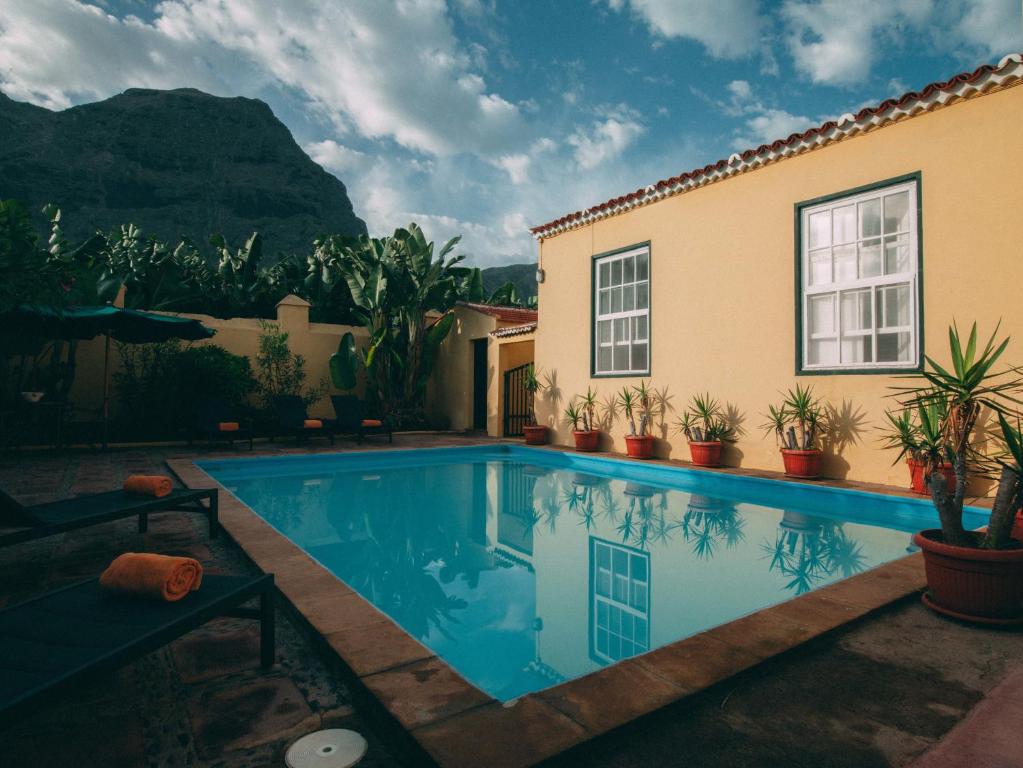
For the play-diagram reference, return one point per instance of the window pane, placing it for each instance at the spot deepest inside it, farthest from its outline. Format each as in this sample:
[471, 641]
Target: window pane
[629, 265]
[605, 274]
[896, 212]
[638, 567]
[894, 303]
[616, 272]
[642, 265]
[893, 347]
[639, 324]
[621, 357]
[628, 298]
[642, 295]
[604, 359]
[856, 311]
[845, 224]
[870, 218]
[896, 254]
[820, 267]
[870, 258]
[820, 229]
[823, 352]
[822, 315]
[616, 299]
[857, 349]
[845, 263]
[622, 329]
[639, 357]
[604, 305]
[604, 332]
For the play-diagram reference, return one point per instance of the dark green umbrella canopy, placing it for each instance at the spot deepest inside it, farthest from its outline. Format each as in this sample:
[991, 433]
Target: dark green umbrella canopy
[127, 325]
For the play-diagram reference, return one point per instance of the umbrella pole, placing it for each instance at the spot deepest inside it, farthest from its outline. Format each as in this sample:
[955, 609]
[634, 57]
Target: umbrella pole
[106, 390]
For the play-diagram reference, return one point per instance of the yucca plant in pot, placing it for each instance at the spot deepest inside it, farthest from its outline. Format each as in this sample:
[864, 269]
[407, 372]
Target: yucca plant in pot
[798, 425]
[535, 434]
[581, 413]
[973, 575]
[635, 405]
[705, 428]
[917, 435]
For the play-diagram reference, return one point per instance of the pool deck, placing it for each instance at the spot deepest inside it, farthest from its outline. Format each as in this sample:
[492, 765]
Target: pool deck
[456, 724]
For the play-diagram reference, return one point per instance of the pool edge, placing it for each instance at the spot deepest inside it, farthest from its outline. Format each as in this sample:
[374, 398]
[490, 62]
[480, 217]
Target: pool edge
[459, 725]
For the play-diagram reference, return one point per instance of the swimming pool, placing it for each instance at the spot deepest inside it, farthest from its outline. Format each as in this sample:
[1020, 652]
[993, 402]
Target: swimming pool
[522, 568]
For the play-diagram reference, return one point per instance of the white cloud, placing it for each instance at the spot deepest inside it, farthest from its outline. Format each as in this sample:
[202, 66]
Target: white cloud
[769, 125]
[993, 27]
[336, 158]
[727, 28]
[517, 167]
[606, 139]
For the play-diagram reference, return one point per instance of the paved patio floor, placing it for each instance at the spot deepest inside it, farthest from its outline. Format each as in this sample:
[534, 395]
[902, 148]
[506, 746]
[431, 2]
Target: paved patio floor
[877, 694]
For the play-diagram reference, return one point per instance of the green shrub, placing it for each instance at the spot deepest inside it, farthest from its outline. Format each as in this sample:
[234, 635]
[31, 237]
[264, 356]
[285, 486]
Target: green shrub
[281, 371]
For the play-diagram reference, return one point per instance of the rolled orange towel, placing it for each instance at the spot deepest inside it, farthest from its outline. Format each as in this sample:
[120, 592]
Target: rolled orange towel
[228, 426]
[148, 575]
[149, 485]
[312, 424]
[372, 423]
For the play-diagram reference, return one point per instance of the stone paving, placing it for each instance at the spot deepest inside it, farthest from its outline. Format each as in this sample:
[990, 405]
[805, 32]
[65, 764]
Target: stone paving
[877, 694]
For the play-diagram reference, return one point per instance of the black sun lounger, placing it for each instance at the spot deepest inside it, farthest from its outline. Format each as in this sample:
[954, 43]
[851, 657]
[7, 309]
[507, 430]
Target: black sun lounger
[53, 642]
[40, 520]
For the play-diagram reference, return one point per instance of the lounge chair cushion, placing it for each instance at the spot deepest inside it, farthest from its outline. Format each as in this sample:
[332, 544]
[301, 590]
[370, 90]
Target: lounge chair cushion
[372, 423]
[312, 424]
[228, 426]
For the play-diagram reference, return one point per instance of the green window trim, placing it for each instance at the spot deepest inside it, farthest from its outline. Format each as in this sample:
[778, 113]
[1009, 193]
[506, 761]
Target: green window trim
[593, 312]
[799, 207]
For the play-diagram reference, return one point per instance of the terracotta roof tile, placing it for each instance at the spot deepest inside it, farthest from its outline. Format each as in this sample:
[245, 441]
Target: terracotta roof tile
[504, 314]
[514, 330]
[1009, 71]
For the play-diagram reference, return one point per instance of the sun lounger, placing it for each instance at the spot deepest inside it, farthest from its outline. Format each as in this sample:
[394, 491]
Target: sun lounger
[53, 642]
[40, 520]
[218, 422]
[292, 419]
[352, 421]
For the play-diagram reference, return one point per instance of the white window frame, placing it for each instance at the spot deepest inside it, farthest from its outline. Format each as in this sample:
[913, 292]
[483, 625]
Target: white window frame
[596, 344]
[910, 277]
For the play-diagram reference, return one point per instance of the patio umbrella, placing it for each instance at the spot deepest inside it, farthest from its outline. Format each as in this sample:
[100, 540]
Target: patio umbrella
[126, 325]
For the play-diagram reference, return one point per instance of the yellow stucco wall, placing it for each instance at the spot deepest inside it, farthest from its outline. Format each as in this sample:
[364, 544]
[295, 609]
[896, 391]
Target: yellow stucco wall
[316, 342]
[502, 355]
[723, 301]
[451, 389]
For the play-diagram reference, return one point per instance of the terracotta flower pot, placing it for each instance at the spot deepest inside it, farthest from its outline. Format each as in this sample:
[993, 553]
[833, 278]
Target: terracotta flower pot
[640, 447]
[1017, 527]
[535, 434]
[586, 441]
[981, 585]
[706, 454]
[804, 464]
[917, 482]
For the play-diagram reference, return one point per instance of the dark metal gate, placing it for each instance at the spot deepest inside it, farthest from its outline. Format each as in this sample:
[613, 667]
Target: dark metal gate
[517, 400]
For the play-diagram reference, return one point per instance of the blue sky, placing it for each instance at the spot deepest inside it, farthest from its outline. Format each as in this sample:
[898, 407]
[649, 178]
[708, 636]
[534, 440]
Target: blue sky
[481, 117]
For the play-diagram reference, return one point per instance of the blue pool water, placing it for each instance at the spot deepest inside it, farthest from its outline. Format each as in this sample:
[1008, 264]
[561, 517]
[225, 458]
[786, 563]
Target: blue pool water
[525, 567]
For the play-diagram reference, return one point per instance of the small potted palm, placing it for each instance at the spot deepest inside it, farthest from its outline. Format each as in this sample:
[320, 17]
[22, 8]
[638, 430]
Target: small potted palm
[581, 413]
[705, 428]
[916, 434]
[973, 575]
[798, 425]
[639, 443]
[535, 434]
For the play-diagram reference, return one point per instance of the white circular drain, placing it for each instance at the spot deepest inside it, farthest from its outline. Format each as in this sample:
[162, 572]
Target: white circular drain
[333, 748]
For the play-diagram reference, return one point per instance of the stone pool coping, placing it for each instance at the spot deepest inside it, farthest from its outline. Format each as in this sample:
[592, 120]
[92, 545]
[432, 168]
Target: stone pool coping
[459, 725]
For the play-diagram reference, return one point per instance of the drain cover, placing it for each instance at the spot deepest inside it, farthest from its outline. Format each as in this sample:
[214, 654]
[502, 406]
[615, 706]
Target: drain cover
[333, 748]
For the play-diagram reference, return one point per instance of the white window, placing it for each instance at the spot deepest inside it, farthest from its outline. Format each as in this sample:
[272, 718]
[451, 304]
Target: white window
[859, 271]
[620, 589]
[621, 332]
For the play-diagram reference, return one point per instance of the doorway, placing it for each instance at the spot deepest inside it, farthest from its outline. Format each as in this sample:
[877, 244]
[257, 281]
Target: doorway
[479, 384]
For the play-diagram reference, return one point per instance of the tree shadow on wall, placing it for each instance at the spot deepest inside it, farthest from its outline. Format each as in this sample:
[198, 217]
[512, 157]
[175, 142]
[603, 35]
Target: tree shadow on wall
[731, 454]
[553, 395]
[843, 428]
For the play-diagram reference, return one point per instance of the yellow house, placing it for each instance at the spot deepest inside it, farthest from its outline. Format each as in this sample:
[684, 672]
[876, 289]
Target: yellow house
[835, 258]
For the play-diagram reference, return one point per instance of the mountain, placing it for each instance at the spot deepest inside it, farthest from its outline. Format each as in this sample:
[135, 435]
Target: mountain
[523, 275]
[175, 163]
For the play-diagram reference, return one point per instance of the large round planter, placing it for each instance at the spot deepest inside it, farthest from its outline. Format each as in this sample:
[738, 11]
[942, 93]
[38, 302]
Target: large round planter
[639, 447]
[586, 441]
[802, 464]
[918, 483]
[981, 585]
[706, 454]
[535, 434]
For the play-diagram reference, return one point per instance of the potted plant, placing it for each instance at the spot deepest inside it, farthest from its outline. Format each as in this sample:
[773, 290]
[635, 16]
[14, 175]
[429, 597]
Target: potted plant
[704, 426]
[582, 417]
[798, 425]
[536, 434]
[638, 443]
[973, 575]
[916, 433]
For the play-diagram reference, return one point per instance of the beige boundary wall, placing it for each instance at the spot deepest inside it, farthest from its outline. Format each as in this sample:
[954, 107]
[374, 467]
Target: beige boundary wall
[723, 298]
[503, 354]
[316, 342]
